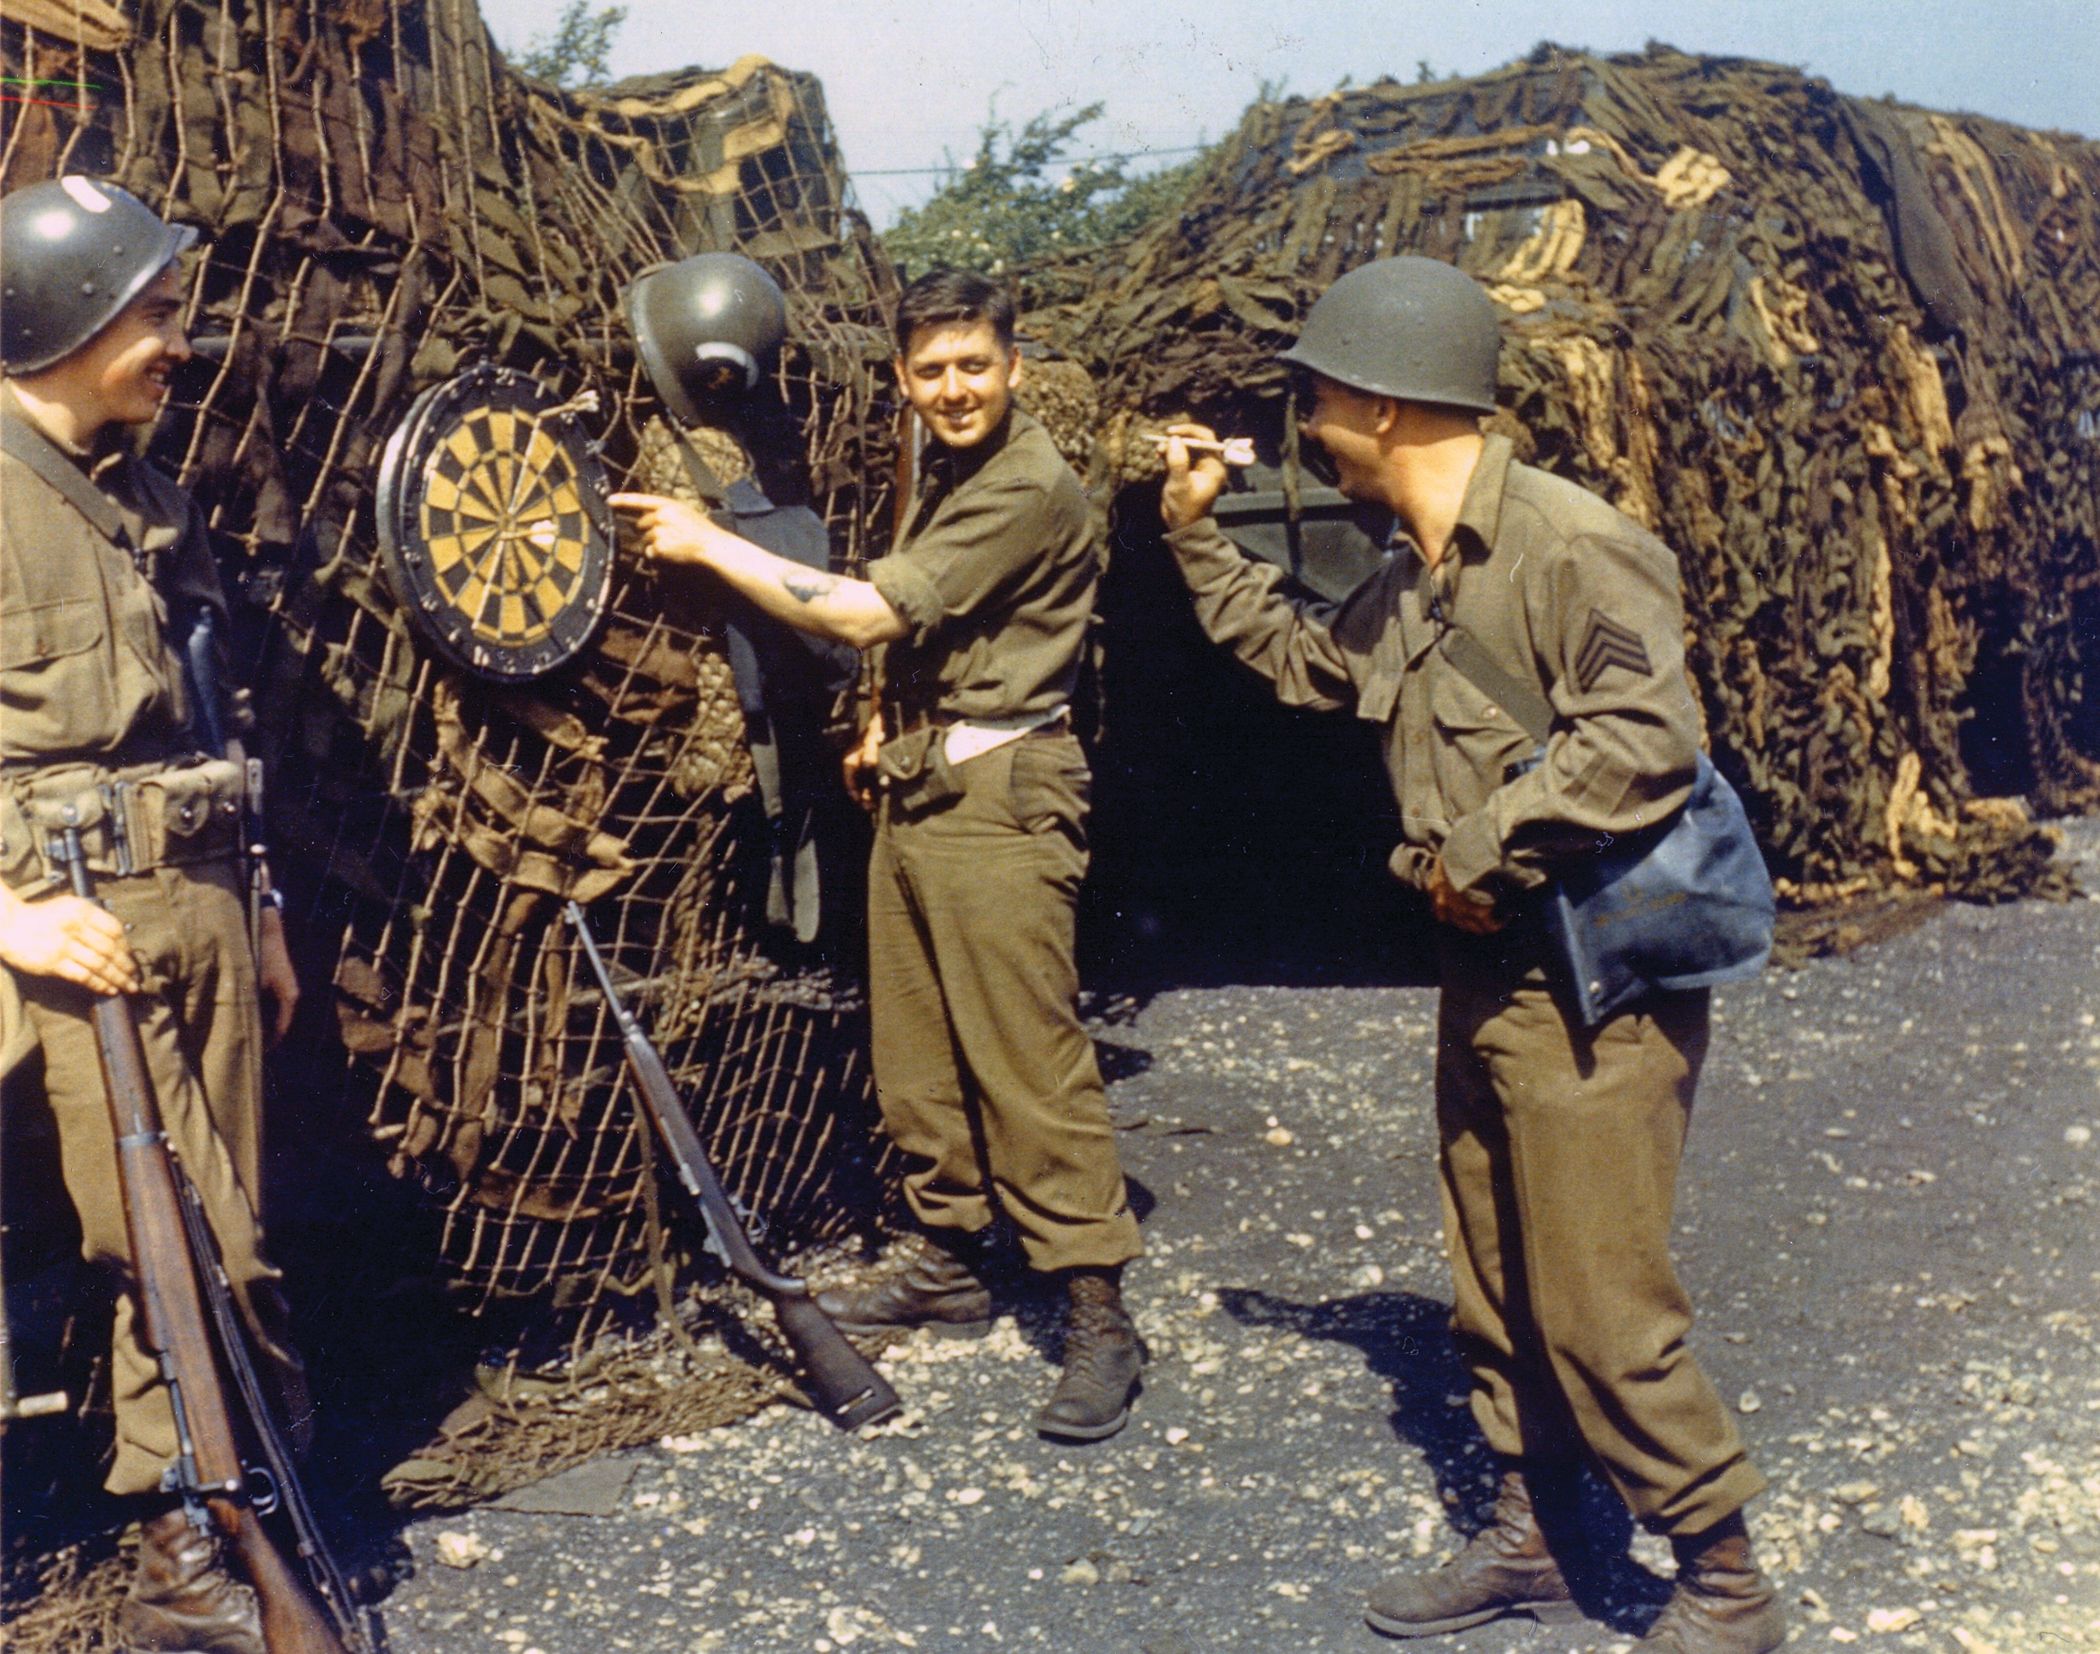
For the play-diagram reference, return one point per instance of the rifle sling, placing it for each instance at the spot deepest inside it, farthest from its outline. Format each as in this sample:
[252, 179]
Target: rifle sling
[322, 1570]
[23, 441]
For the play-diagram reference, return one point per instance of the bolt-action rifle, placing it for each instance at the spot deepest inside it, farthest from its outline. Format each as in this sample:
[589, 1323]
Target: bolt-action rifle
[199, 639]
[185, 1310]
[847, 1387]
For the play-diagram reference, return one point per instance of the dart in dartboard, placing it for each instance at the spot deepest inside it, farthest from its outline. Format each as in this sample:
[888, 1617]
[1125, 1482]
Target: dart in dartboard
[493, 524]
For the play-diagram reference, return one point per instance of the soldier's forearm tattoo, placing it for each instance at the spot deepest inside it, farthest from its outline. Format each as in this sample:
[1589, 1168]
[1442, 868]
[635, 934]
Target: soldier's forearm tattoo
[807, 588]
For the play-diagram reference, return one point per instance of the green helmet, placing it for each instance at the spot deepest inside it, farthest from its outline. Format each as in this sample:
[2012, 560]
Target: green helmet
[705, 326]
[73, 252]
[1414, 328]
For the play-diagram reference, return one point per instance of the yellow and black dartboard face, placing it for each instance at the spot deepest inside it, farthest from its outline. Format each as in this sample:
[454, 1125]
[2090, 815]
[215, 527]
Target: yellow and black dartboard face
[493, 519]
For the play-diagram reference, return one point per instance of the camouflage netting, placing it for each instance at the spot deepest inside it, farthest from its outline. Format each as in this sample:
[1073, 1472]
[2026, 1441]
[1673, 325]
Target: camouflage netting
[383, 203]
[1844, 356]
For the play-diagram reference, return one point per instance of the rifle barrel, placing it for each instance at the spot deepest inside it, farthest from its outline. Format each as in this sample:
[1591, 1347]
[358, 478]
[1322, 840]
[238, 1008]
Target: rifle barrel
[848, 1388]
[172, 1319]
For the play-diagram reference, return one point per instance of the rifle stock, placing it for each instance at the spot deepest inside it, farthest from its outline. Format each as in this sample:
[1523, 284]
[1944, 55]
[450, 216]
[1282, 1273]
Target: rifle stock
[172, 1318]
[847, 1387]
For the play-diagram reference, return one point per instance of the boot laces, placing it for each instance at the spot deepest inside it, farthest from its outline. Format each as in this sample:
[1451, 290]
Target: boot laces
[1092, 1336]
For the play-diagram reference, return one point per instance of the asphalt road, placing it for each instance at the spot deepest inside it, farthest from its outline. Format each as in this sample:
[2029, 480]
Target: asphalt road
[1888, 1221]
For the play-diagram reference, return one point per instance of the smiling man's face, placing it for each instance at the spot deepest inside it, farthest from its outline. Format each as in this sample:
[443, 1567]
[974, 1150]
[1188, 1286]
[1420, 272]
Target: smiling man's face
[122, 374]
[960, 379]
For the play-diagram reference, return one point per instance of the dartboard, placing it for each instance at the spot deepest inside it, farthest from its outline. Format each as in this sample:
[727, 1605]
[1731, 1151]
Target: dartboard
[493, 522]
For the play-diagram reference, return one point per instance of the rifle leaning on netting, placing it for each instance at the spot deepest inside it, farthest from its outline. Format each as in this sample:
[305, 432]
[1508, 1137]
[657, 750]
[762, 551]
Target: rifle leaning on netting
[188, 1318]
[848, 1389]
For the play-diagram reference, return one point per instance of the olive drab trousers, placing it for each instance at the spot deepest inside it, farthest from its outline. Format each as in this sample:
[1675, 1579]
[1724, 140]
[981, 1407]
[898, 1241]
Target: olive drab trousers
[987, 1081]
[201, 1027]
[1558, 1154]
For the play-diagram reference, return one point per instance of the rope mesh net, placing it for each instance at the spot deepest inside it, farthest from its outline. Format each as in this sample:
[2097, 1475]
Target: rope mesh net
[1843, 356]
[383, 203]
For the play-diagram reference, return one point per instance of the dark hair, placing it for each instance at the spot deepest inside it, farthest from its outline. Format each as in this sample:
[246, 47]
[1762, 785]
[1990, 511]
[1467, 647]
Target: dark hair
[941, 298]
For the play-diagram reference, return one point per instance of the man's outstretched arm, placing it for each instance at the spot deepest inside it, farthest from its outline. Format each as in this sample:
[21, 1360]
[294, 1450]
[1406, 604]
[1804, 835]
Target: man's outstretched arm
[1238, 600]
[835, 606]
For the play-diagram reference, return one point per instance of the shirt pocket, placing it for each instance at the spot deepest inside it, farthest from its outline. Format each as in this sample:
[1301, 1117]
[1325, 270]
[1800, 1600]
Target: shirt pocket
[1458, 706]
[1381, 689]
[33, 634]
[54, 677]
[1475, 741]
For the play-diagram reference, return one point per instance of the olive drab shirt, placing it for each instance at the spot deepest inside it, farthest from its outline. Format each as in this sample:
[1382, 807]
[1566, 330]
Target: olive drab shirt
[995, 576]
[1562, 591]
[93, 549]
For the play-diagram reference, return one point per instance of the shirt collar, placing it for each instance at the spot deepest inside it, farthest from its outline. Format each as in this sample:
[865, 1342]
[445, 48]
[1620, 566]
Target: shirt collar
[1480, 511]
[12, 403]
[72, 471]
[113, 444]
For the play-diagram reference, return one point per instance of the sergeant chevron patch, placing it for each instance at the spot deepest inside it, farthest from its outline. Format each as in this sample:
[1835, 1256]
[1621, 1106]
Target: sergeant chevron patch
[1605, 645]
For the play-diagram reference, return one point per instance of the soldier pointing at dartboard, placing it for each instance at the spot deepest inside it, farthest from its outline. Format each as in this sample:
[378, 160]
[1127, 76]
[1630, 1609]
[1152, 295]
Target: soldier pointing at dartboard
[987, 1080]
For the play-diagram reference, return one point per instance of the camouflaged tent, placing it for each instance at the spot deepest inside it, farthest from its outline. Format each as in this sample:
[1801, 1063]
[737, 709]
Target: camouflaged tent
[1844, 356]
[383, 203]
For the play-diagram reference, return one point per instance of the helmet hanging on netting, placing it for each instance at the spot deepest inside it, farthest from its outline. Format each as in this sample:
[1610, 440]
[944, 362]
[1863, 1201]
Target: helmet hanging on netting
[1415, 328]
[73, 252]
[705, 327]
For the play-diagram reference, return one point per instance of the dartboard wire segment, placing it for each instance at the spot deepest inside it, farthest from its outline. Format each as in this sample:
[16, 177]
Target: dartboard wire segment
[493, 517]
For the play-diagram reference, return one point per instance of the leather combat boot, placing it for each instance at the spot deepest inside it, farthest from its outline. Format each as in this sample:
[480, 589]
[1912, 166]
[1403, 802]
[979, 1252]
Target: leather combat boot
[941, 1290]
[1506, 1568]
[1723, 1604]
[182, 1600]
[1102, 1362]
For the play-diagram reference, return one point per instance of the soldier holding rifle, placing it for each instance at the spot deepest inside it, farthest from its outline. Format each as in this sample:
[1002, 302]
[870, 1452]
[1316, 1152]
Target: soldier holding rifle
[105, 575]
[987, 1080]
[1559, 1144]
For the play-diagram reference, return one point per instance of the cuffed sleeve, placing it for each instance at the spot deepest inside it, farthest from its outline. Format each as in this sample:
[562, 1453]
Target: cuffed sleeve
[909, 590]
[980, 541]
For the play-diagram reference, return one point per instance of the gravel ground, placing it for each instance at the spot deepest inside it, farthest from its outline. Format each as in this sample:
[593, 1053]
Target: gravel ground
[1887, 1221]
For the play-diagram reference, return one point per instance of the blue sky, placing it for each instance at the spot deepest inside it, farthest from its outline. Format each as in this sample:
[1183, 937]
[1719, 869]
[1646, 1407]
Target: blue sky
[910, 83]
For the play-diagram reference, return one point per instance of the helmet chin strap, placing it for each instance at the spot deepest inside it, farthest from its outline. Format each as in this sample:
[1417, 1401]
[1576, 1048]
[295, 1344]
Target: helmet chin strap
[705, 326]
[717, 350]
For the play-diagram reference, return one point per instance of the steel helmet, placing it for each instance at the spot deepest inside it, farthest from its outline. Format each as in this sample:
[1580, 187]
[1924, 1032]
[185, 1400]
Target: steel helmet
[1414, 328]
[73, 252]
[705, 325]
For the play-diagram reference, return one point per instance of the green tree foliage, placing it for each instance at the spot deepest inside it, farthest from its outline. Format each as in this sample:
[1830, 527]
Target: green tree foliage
[579, 50]
[1019, 199]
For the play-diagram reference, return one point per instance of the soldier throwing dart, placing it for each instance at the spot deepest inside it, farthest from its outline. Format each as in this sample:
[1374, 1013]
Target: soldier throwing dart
[987, 1080]
[1559, 1146]
[101, 558]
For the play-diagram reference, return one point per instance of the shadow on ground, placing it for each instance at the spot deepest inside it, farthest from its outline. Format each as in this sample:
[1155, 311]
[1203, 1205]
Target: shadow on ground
[1405, 1340]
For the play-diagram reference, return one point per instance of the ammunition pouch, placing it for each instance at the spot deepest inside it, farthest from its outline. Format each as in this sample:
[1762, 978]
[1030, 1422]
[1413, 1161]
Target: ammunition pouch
[130, 820]
[913, 771]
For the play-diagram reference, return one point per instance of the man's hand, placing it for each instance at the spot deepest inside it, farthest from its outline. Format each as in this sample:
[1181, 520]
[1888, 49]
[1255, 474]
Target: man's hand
[672, 531]
[810, 600]
[274, 974]
[859, 765]
[1193, 483]
[67, 937]
[1468, 910]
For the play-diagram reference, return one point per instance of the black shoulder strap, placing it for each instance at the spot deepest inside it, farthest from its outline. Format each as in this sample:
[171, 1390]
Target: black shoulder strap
[698, 472]
[1479, 668]
[23, 441]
